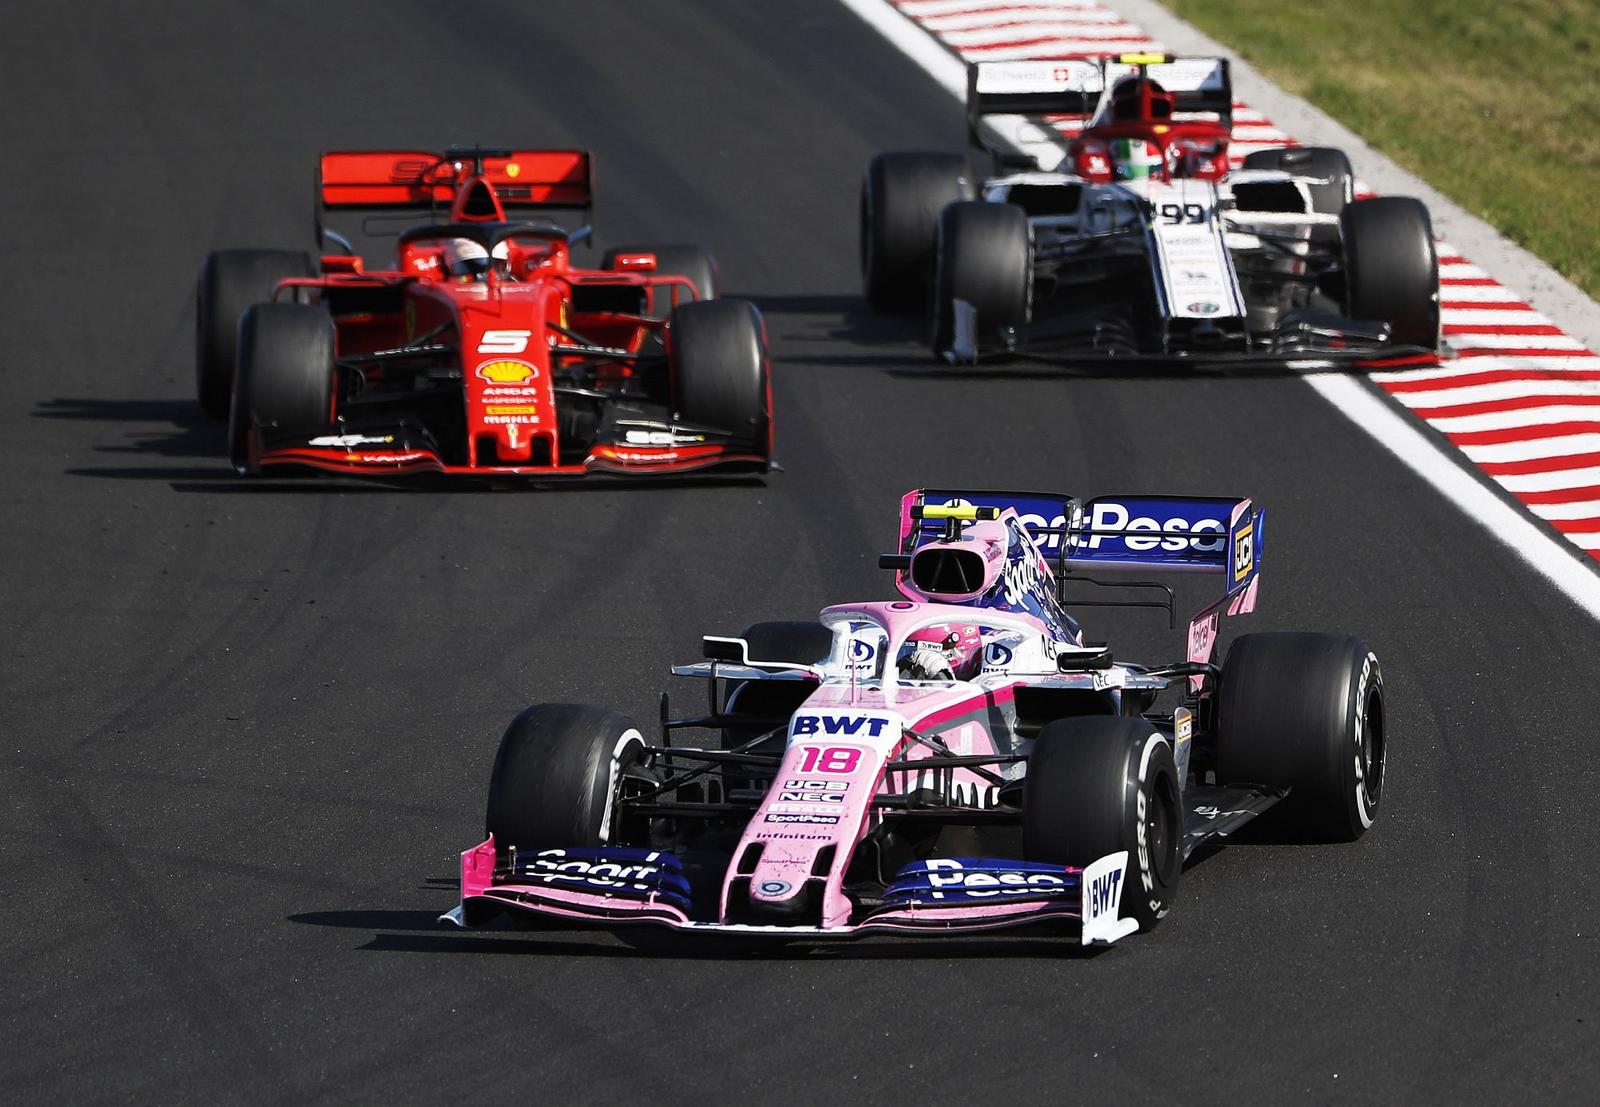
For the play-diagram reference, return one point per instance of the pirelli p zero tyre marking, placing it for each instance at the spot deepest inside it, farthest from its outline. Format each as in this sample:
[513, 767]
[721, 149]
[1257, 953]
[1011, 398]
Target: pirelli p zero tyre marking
[1156, 821]
[619, 758]
[1369, 745]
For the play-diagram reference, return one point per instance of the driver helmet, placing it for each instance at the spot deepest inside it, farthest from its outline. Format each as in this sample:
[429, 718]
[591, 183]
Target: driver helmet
[945, 651]
[466, 260]
[1135, 159]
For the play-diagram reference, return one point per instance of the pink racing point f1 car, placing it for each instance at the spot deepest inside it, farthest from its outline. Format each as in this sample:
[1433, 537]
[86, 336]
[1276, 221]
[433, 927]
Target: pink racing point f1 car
[958, 759]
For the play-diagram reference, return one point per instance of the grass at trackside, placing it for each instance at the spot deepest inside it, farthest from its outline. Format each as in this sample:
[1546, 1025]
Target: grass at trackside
[1495, 104]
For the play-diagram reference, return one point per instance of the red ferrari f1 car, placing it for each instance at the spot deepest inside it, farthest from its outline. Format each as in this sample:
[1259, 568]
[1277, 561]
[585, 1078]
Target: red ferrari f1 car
[484, 349]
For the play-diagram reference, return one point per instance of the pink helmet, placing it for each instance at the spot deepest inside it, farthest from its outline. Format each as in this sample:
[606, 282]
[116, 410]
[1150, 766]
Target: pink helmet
[960, 644]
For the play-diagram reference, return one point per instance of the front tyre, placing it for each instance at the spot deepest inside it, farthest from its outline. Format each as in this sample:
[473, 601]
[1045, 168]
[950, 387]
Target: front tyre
[717, 360]
[1391, 269]
[1103, 784]
[1305, 712]
[283, 381]
[559, 772]
[983, 255]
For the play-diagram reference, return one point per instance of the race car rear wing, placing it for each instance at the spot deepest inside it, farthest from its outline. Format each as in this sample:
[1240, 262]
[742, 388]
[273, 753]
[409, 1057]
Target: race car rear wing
[387, 189]
[1074, 87]
[421, 180]
[1192, 534]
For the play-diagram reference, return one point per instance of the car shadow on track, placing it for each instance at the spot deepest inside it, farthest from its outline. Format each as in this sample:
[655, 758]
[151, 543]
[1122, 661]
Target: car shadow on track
[1274, 828]
[192, 435]
[899, 345]
[322, 484]
[195, 437]
[412, 931]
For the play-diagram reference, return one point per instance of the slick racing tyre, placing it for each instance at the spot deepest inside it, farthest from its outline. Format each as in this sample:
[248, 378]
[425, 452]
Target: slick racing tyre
[1101, 784]
[804, 642]
[230, 281]
[557, 776]
[1305, 712]
[673, 261]
[1312, 161]
[902, 195]
[984, 255]
[717, 361]
[1391, 270]
[284, 377]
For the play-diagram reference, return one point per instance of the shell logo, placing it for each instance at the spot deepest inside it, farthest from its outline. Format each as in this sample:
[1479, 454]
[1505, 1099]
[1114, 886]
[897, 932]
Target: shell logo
[507, 371]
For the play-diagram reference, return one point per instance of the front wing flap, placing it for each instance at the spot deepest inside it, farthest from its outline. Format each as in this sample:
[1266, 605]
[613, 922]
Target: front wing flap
[1308, 342]
[399, 450]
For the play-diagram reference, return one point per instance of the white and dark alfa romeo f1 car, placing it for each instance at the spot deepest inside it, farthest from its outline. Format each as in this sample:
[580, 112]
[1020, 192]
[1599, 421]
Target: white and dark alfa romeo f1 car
[1141, 243]
[957, 758]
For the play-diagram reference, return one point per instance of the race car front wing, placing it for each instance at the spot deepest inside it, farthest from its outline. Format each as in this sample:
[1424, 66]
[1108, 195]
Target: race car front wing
[622, 886]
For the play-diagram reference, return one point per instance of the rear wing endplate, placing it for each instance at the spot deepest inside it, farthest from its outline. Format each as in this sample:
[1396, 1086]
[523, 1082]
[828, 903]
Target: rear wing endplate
[1075, 86]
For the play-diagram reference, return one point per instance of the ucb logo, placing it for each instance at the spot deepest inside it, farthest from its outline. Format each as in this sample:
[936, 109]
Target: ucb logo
[839, 724]
[1103, 893]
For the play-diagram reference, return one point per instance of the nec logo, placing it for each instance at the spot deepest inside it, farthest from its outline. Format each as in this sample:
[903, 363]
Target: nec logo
[839, 724]
[807, 796]
[1102, 897]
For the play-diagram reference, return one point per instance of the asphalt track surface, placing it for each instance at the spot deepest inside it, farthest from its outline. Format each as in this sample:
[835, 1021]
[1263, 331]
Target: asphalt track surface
[247, 726]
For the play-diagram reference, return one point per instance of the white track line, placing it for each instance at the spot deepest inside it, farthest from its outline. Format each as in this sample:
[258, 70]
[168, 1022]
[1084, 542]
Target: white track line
[1547, 555]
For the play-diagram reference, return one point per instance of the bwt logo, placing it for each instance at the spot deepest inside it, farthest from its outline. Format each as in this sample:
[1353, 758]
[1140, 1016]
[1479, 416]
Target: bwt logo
[1113, 516]
[839, 724]
[1103, 894]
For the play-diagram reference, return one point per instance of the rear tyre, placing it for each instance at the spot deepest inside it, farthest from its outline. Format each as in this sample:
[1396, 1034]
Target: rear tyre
[557, 776]
[984, 255]
[804, 642]
[1391, 269]
[284, 378]
[717, 360]
[1305, 712]
[1102, 784]
[1313, 161]
[673, 261]
[902, 194]
[230, 281]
